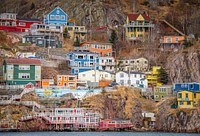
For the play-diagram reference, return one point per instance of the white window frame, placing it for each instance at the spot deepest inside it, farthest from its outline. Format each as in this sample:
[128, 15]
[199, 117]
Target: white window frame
[52, 17]
[24, 75]
[57, 17]
[23, 67]
[22, 24]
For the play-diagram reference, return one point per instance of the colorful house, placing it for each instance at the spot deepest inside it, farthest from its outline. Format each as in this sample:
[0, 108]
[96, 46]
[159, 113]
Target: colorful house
[152, 77]
[21, 71]
[76, 32]
[188, 94]
[107, 64]
[83, 61]
[9, 22]
[24, 24]
[68, 81]
[138, 26]
[57, 16]
[43, 41]
[171, 37]
[133, 64]
[161, 92]
[49, 29]
[47, 83]
[134, 79]
[104, 49]
[95, 78]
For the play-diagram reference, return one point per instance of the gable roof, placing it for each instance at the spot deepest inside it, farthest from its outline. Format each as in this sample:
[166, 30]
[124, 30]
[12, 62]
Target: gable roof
[173, 27]
[29, 19]
[135, 16]
[23, 61]
[57, 8]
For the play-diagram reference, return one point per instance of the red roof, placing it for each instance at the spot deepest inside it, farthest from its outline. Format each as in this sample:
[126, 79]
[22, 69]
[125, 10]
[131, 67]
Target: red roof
[135, 16]
[23, 61]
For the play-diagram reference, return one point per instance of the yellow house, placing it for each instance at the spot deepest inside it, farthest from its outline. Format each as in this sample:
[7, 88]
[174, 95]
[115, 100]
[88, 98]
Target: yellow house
[77, 31]
[152, 77]
[138, 26]
[188, 99]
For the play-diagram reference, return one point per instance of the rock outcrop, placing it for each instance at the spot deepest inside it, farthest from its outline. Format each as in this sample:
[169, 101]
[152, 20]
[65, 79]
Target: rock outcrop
[184, 66]
[176, 120]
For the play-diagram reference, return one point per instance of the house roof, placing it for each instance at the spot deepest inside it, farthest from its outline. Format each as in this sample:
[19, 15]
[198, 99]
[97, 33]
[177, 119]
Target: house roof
[29, 19]
[173, 27]
[135, 16]
[95, 43]
[58, 8]
[131, 72]
[23, 61]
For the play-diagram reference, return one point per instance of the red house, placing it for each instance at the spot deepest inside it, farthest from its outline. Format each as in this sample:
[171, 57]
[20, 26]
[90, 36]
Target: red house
[24, 24]
[9, 23]
[112, 124]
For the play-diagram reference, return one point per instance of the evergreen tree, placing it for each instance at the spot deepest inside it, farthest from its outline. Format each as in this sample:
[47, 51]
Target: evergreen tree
[65, 33]
[113, 38]
[77, 42]
[163, 76]
[32, 6]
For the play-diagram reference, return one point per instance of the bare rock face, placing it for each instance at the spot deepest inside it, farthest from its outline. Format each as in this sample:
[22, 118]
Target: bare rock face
[184, 66]
[177, 120]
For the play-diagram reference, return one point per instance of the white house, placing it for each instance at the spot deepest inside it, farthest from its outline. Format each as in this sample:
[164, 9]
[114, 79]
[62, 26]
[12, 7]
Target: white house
[107, 64]
[135, 79]
[94, 76]
[26, 54]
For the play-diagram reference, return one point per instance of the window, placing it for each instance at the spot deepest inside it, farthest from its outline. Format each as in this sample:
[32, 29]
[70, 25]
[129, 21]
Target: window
[80, 56]
[62, 17]
[176, 39]
[137, 82]
[37, 76]
[71, 84]
[37, 68]
[169, 40]
[9, 67]
[188, 103]
[179, 95]
[71, 78]
[65, 84]
[83, 75]
[121, 75]
[59, 78]
[91, 57]
[9, 76]
[192, 86]
[22, 24]
[70, 28]
[57, 17]
[24, 75]
[65, 78]
[24, 67]
[106, 75]
[181, 103]
[186, 95]
[52, 17]
[195, 96]
[57, 11]
[93, 75]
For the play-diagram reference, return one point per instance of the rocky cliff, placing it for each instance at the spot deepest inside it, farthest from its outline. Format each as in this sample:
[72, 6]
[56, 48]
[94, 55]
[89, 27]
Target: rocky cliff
[184, 66]
[177, 120]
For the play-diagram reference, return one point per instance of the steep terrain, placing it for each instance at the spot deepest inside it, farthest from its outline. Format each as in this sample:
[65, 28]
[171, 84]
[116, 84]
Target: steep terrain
[184, 66]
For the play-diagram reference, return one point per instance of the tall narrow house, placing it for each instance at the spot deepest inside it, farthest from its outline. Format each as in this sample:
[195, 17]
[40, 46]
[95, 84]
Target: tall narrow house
[138, 27]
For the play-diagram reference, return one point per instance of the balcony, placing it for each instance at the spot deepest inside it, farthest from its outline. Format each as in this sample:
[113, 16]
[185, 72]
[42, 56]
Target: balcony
[110, 63]
[80, 31]
[140, 25]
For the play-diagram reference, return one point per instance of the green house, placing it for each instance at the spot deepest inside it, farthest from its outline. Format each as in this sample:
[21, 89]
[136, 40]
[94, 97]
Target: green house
[21, 71]
[161, 92]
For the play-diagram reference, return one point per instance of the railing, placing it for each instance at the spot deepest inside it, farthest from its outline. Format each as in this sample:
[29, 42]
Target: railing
[12, 86]
[80, 31]
[140, 25]
[110, 63]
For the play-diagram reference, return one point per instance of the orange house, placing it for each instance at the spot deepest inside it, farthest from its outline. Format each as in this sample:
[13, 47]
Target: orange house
[47, 82]
[67, 81]
[104, 49]
[173, 39]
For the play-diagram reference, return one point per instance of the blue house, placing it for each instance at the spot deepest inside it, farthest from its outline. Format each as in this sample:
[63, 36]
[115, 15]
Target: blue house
[83, 61]
[57, 17]
[193, 87]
